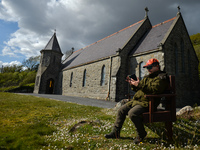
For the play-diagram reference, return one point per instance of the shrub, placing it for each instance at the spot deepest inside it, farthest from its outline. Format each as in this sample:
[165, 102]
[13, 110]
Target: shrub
[29, 78]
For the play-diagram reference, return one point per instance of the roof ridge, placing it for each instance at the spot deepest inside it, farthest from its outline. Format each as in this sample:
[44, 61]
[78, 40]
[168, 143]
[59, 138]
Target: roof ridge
[110, 35]
[164, 22]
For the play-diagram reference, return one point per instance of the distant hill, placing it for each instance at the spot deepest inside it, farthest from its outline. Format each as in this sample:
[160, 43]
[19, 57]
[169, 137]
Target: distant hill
[195, 39]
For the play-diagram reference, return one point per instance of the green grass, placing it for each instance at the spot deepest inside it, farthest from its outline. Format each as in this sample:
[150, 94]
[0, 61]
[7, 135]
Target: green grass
[28, 122]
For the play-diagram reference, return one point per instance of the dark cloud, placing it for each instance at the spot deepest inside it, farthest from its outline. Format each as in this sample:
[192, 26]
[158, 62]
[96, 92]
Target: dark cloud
[83, 22]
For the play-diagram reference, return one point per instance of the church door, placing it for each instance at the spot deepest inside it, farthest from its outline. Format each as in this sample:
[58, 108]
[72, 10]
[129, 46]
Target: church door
[50, 85]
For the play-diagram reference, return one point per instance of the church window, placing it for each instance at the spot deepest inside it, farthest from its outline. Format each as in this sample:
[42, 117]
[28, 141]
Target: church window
[84, 78]
[141, 70]
[71, 78]
[103, 75]
[47, 61]
[182, 56]
[176, 58]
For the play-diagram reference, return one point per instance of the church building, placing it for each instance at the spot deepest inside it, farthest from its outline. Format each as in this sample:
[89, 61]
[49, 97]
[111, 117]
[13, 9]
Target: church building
[99, 70]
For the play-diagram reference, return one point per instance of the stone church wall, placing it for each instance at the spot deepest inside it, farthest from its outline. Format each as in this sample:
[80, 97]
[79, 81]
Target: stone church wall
[181, 61]
[93, 87]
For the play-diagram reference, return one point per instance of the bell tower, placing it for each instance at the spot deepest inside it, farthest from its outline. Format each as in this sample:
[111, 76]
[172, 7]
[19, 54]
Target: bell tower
[49, 67]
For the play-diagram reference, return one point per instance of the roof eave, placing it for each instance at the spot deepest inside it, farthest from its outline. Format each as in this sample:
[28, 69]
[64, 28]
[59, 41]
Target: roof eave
[89, 62]
[147, 52]
[143, 21]
[170, 29]
[51, 51]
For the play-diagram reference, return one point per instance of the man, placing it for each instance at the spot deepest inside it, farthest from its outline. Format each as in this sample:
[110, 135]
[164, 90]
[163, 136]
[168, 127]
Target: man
[155, 83]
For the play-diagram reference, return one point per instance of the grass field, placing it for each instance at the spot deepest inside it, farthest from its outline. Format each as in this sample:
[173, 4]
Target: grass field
[28, 122]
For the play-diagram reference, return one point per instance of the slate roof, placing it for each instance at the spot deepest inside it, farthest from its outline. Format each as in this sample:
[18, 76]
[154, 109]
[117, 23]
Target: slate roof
[103, 48]
[153, 38]
[53, 44]
[109, 45]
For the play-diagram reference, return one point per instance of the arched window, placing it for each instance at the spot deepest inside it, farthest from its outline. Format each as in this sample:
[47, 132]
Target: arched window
[176, 58]
[84, 78]
[141, 70]
[182, 56]
[103, 75]
[71, 78]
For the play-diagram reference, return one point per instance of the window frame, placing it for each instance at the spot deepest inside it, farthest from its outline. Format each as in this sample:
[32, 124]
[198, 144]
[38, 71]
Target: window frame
[141, 70]
[84, 78]
[103, 75]
[71, 79]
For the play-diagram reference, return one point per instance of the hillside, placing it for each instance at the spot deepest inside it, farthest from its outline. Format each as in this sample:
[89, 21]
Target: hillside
[196, 43]
[19, 78]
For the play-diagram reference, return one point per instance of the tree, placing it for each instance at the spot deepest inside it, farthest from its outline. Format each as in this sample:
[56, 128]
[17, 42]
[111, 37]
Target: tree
[31, 63]
[14, 68]
[69, 52]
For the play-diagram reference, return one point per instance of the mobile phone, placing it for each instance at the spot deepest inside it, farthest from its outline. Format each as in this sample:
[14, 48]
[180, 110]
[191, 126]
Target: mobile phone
[133, 76]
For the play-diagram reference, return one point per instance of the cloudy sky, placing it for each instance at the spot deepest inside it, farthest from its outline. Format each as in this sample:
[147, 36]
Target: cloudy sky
[27, 25]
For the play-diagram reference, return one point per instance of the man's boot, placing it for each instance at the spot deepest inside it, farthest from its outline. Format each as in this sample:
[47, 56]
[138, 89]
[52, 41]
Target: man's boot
[115, 134]
[140, 138]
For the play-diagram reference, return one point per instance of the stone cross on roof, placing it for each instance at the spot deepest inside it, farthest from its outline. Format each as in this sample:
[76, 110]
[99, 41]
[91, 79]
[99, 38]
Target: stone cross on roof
[179, 9]
[179, 12]
[146, 11]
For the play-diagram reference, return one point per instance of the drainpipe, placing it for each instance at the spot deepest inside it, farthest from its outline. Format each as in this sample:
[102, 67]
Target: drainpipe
[109, 79]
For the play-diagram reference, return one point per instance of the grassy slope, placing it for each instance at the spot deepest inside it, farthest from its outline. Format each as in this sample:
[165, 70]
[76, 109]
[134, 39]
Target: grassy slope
[28, 122]
[197, 50]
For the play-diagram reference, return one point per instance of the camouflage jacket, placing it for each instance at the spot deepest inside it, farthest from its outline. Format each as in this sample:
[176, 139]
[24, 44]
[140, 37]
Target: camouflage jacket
[155, 83]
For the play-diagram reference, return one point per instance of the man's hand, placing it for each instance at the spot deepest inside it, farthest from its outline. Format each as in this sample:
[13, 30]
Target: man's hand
[133, 82]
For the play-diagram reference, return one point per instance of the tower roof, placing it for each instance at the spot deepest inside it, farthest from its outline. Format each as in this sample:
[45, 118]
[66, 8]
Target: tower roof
[53, 44]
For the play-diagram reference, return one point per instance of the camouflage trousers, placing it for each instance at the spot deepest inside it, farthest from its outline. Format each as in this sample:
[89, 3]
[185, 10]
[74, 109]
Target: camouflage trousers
[134, 114]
